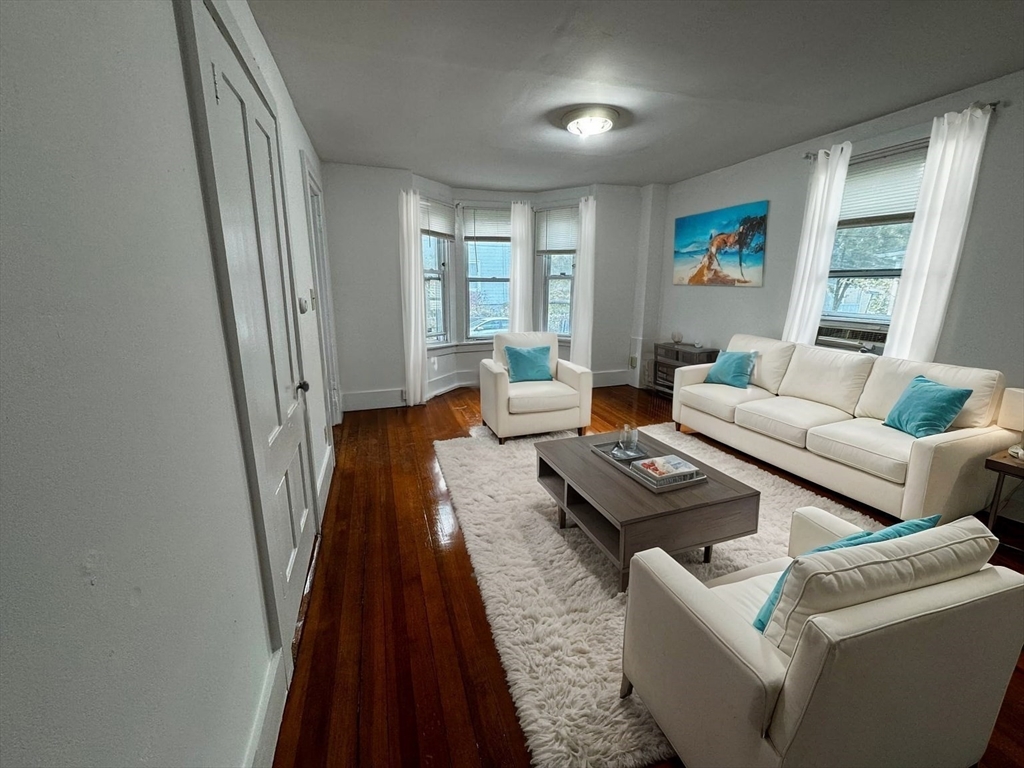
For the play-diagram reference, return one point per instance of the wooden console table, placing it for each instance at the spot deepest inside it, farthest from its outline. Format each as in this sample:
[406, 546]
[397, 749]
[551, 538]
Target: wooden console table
[669, 356]
[1002, 464]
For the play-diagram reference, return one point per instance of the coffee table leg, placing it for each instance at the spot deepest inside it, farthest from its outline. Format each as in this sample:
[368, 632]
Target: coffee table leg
[707, 553]
[561, 518]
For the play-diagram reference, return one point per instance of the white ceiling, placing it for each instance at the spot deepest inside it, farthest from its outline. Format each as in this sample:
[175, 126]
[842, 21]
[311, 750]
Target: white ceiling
[470, 93]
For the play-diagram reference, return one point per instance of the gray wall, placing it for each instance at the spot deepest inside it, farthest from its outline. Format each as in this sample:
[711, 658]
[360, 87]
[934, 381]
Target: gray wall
[132, 628]
[983, 327]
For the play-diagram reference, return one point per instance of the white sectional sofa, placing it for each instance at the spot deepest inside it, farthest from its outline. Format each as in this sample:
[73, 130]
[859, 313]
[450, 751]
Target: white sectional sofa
[818, 413]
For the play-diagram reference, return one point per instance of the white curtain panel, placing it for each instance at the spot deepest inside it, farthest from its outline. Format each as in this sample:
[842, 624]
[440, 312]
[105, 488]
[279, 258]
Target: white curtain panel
[817, 238]
[414, 319]
[937, 238]
[583, 284]
[520, 289]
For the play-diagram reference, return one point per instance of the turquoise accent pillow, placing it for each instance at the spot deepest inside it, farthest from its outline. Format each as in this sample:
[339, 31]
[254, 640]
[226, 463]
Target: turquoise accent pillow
[528, 363]
[926, 407]
[905, 528]
[732, 369]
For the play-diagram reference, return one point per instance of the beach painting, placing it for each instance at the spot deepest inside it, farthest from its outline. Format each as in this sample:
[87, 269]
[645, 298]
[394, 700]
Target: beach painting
[723, 247]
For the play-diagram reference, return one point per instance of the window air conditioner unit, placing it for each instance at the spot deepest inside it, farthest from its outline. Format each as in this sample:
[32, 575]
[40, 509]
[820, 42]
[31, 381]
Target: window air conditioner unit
[855, 337]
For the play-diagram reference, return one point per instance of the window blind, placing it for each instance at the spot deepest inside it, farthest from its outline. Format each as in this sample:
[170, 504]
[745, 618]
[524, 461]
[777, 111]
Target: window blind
[437, 218]
[486, 223]
[885, 186]
[557, 229]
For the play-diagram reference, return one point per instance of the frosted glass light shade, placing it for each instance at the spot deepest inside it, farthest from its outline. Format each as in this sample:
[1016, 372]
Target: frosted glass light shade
[589, 121]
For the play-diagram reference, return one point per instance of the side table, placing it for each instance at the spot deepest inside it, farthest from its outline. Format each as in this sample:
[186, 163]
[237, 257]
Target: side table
[669, 356]
[1003, 464]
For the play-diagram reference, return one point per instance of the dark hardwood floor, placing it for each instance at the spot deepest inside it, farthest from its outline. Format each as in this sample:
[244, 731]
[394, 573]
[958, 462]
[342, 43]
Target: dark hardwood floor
[396, 664]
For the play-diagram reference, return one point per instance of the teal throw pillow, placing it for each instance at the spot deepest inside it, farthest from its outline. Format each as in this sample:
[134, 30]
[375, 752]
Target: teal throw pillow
[732, 369]
[528, 363]
[905, 528]
[926, 407]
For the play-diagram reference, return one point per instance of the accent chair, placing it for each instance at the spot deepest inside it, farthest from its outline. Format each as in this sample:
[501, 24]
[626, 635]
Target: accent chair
[896, 653]
[518, 408]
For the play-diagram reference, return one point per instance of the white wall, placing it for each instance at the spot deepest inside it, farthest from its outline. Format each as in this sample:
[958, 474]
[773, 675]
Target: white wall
[618, 236]
[983, 326]
[361, 212]
[294, 140]
[132, 629]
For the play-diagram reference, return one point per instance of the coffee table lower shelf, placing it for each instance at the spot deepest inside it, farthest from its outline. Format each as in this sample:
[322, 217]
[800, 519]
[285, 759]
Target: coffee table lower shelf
[675, 532]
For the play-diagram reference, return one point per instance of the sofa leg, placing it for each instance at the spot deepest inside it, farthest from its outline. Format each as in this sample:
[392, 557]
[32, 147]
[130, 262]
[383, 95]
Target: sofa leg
[626, 688]
[501, 441]
[580, 431]
[678, 425]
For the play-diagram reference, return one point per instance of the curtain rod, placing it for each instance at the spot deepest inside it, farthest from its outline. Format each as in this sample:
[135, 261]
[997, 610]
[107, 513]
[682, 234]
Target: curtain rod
[993, 104]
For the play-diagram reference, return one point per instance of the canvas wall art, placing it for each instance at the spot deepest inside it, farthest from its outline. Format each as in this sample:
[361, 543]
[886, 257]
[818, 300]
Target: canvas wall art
[723, 247]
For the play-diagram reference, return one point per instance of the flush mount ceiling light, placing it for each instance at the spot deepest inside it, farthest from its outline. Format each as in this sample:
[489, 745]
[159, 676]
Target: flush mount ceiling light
[589, 121]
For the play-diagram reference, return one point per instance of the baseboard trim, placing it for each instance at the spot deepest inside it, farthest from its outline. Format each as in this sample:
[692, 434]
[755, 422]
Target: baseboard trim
[267, 725]
[323, 482]
[372, 399]
[612, 378]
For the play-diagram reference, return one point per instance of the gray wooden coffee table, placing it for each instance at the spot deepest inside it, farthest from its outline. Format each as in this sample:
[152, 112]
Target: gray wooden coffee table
[622, 517]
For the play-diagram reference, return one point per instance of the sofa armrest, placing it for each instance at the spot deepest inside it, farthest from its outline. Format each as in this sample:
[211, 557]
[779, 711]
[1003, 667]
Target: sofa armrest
[691, 374]
[582, 380]
[493, 395]
[812, 527]
[686, 375]
[693, 659]
[946, 473]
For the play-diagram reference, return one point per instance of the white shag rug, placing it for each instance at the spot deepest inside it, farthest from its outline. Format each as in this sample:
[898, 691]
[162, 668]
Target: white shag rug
[552, 597]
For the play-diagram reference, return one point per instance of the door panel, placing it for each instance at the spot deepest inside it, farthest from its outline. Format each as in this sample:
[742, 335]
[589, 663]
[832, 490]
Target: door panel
[246, 169]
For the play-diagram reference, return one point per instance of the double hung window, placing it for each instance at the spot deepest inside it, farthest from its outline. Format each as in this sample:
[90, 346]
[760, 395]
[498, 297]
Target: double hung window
[556, 234]
[487, 241]
[874, 228]
[437, 235]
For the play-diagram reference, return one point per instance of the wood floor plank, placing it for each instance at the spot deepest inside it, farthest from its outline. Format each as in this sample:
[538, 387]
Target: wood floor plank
[397, 665]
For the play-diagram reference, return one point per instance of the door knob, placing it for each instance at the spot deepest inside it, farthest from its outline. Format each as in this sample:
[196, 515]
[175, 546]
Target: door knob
[303, 385]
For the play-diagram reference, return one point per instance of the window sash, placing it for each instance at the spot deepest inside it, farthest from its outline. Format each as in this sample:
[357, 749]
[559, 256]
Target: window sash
[446, 244]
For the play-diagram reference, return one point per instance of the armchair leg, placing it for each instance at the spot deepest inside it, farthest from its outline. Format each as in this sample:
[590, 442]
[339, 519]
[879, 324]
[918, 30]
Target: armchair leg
[580, 431]
[501, 441]
[626, 688]
[678, 425]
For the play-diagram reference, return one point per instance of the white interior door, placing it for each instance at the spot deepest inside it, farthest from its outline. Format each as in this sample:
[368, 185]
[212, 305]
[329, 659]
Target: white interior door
[324, 305]
[248, 207]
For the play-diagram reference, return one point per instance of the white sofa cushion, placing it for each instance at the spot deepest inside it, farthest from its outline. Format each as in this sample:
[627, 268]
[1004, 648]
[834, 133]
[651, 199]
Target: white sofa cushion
[772, 359]
[541, 396]
[526, 340]
[787, 418]
[719, 400]
[827, 581]
[890, 376]
[748, 595]
[866, 445]
[828, 376]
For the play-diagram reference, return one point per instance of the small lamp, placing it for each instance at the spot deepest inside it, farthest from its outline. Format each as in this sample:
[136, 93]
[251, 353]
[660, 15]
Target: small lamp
[1011, 416]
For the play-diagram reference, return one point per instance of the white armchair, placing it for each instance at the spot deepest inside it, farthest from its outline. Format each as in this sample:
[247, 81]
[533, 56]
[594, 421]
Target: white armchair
[530, 407]
[915, 678]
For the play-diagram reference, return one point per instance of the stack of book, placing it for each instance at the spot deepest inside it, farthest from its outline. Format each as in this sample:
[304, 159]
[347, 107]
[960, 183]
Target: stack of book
[667, 470]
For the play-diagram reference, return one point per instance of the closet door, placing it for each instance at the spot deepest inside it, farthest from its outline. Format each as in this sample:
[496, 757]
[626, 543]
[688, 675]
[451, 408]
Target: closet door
[237, 136]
